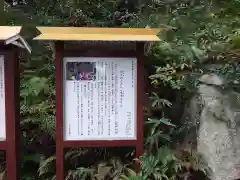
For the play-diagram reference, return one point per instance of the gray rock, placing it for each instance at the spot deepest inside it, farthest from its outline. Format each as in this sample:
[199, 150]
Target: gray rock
[212, 118]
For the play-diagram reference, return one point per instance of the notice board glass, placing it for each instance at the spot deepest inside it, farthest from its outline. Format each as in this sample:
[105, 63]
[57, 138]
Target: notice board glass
[100, 98]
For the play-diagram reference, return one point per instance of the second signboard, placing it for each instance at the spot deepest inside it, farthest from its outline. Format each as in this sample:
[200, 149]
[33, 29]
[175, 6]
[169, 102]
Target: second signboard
[2, 101]
[100, 98]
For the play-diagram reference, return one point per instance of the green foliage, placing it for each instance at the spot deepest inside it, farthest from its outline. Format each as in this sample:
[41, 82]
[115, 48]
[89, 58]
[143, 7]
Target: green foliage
[195, 34]
[156, 133]
[38, 97]
[111, 169]
[191, 160]
[165, 165]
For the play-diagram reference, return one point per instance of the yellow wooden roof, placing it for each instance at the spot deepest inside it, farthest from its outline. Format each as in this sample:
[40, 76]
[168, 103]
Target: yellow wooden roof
[97, 34]
[7, 32]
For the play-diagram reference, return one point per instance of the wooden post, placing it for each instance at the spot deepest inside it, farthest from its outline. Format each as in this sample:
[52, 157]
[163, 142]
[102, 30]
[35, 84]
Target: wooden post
[59, 48]
[140, 100]
[12, 142]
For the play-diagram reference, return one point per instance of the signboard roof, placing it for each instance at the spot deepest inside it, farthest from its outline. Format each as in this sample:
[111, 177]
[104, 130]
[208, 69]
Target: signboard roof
[97, 34]
[9, 31]
[13, 35]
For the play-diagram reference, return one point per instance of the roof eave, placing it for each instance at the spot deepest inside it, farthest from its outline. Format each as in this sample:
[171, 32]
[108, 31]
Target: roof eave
[97, 34]
[18, 41]
[11, 35]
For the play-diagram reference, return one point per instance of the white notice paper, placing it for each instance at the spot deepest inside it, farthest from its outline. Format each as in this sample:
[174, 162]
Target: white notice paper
[100, 98]
[2, 101]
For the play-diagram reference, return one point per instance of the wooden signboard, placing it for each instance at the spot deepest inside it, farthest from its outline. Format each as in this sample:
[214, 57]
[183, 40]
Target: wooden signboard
[2, 100]
[99, 88]
[9, 111]
[9, 99]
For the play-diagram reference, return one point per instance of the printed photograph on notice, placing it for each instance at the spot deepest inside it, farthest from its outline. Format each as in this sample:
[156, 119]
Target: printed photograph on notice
[81, 71]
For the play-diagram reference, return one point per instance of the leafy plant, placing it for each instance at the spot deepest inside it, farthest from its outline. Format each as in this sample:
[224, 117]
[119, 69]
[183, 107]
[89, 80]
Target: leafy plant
[191, 161]
[157, 133]
[161, 166]
[111, 169]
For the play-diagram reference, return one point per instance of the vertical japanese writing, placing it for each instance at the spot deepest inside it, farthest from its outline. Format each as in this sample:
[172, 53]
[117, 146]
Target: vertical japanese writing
[81, 110]
[99, 100]
[128, 124]
[1, 81]
[102, 98]
[105, 97]
[88, 109]
[121, 88]
[92, 108]
[78, 108]
[112, 91]
[133, 70]
[108, 95]
[105, 88]
[2, 101]
[116, 98]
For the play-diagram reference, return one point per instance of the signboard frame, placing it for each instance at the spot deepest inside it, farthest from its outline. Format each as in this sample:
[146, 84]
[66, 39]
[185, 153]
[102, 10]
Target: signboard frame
[105, 118]
[12, 143]
[60, 54]
[11, 39]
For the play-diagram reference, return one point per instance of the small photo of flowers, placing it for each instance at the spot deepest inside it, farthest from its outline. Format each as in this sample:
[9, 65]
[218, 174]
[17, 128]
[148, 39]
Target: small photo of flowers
[81, 71]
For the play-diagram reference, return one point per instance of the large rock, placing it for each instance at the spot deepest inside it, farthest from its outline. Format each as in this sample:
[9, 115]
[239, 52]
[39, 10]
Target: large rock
[213, 120]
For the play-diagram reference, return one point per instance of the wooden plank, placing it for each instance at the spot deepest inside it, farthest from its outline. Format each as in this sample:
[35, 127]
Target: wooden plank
[92, 30]
[97, 34]
[7, 32]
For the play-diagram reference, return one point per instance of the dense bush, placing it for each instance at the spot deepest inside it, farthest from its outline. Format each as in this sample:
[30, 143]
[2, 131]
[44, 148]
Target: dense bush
[195, 34]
